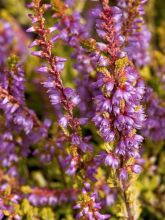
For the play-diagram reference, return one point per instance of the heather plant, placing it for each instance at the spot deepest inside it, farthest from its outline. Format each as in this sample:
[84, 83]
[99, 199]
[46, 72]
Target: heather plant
[82, 124]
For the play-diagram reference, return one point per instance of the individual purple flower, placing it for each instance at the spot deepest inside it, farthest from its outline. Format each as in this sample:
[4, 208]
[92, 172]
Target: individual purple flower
[63, 121]
[123, 174]
[136, 168]
[73, 164]
[111, 161]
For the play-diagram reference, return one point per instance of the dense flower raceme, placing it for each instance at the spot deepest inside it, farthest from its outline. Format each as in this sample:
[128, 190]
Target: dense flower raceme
[12, 79]
[12, 101]
[18, 118]
[137, 39]
[119, 112]
[65, 98]
[137, 36]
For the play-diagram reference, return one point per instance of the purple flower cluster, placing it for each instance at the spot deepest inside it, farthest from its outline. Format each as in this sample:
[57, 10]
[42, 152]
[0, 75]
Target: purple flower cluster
[118, 106]
[62, 98]
[122, 100]
[90, 207]
[18, 117]
[9, 43]
[66, 97]
[154, 126]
